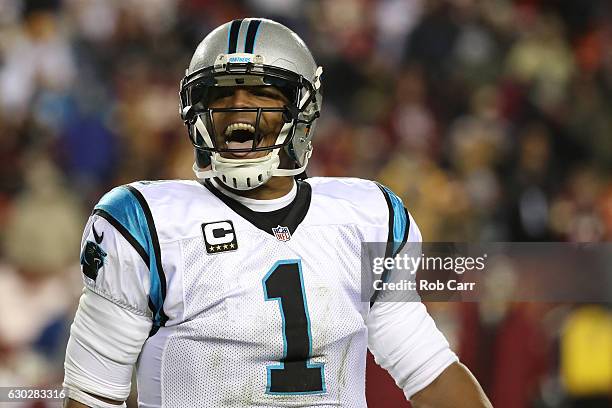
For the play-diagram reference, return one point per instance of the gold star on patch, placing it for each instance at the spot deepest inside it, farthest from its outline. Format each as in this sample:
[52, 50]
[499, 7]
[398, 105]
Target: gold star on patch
[231, 245]
[224, 246]
[218, 247]
[211, 249]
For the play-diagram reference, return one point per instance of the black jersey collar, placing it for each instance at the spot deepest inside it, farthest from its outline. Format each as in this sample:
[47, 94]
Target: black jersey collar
[290, 216]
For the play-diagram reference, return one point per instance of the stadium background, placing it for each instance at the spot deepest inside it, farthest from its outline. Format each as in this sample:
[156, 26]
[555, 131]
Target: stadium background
[491, 118]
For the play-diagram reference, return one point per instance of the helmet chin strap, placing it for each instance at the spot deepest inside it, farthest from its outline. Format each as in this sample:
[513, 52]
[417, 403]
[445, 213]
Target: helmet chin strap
[246, 174]
[210, 173]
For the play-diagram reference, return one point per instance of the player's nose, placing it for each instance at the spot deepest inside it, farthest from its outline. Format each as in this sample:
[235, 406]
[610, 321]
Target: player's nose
[242, 98]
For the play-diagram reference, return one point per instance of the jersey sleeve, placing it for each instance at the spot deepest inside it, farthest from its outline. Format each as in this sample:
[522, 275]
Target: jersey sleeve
[105, 342]
[112, 268]
[402, 336]
[132, 275]
[405, 341]
[398, 226]
[402, 239]
[122, 302]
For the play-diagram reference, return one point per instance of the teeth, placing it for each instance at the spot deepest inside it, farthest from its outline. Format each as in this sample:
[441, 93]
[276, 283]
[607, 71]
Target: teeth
[239, 126]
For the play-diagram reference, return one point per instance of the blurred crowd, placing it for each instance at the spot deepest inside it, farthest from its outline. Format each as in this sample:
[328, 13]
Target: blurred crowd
[491, 118]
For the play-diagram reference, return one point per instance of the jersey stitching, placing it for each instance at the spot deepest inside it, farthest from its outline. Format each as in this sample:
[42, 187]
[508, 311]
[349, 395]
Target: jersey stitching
[118, 302]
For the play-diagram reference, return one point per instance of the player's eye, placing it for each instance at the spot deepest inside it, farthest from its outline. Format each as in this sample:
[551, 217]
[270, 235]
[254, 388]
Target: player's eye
[269, 93]
[216, 93]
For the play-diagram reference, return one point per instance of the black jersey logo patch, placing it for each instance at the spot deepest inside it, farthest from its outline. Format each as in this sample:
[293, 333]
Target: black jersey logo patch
[92, 257]
[219, 237]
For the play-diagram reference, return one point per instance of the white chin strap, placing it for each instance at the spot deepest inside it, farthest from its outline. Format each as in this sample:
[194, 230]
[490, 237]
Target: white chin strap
[246, 174]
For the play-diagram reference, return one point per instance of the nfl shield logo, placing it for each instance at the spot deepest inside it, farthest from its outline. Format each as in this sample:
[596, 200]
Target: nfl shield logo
[282, 233]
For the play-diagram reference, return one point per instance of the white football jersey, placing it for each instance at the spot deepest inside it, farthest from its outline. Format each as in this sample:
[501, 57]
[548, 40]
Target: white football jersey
[249, 309]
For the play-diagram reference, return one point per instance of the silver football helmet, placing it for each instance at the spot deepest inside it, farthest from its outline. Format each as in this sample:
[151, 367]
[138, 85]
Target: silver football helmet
[251, 52]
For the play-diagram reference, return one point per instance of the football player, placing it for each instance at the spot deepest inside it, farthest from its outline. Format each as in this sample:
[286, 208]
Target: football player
[243, 288]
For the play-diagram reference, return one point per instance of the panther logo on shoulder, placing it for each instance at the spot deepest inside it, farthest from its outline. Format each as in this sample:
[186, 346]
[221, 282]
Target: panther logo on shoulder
[92, 257]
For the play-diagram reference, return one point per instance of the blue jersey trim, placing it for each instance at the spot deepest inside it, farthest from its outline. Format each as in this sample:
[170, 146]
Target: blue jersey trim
[399, 222]
[128, 210]
[398, 229]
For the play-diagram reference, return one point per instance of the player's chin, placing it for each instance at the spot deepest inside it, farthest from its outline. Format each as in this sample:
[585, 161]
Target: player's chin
[243, 155]
[230, 154]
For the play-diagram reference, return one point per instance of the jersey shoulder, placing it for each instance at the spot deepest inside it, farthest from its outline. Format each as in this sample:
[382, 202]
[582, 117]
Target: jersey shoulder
[348, 201]
[364, 202]
[344, 187]
[129, 197]
[172, 208]
[363, 193]
[122, 245]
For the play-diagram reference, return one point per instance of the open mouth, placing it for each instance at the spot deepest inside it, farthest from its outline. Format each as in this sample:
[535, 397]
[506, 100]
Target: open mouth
[239, 135]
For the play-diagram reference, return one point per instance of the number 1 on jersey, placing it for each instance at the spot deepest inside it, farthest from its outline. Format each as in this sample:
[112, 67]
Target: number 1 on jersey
[294, 375]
